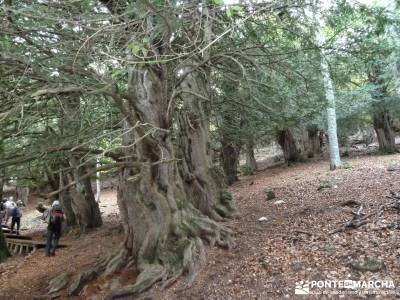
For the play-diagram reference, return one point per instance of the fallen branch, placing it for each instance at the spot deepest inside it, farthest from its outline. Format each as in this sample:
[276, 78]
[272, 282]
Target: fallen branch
[58, 90]
[359, 218]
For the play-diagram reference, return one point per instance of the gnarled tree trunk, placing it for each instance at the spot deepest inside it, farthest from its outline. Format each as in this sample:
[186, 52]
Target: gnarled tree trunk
[384, 132]
[204, 184]
[164, 232]
[287, 142]
[83, 203]
[250, 158]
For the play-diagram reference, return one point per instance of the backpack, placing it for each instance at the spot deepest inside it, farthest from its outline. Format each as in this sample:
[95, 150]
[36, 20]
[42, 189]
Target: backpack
[15, 212]
[56, 216]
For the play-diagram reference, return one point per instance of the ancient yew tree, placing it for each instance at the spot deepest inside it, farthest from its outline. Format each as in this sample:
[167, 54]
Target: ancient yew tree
[169, 206]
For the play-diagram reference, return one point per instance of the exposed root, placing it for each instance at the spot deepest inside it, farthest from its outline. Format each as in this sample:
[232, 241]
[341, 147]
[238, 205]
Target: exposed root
[79, 281]
[225, 206]
[150, 274]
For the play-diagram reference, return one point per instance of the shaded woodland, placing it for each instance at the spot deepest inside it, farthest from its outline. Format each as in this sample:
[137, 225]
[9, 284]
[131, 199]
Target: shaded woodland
[173, 100]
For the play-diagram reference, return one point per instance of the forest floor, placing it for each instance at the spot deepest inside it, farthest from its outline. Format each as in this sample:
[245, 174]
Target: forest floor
[291, 244]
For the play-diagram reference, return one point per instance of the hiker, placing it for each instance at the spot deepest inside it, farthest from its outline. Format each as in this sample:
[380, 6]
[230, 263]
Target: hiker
[54, 217]
[16, 214]
[9, 205]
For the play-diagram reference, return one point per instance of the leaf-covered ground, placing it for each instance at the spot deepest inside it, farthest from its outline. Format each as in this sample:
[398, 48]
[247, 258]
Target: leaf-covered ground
[292, 244]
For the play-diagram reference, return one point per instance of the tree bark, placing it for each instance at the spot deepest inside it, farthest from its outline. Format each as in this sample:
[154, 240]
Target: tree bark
[83, 203]
[57, 181]
[334, 154]
[230, 160]
[384, 132]
[4, 253]
[314, 140]
[22, 194]
[164, 232]
[251, 163]
[287, 142]
[203, 182]
[1, 186]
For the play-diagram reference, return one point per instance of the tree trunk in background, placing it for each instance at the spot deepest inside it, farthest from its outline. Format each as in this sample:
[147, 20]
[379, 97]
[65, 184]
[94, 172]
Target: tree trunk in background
[314, 140]
[334, 154]
[4, 253]
[384, 132]
[83, 202]
[1, 186]
[2, 171]
[331, 113]
[23, 194]
[250, 158]
[230, 160]
[287, 142]
[98, 182]
[66, 202]
[57, 181]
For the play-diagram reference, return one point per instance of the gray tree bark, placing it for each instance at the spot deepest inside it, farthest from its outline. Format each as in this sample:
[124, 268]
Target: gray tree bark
[334, 154]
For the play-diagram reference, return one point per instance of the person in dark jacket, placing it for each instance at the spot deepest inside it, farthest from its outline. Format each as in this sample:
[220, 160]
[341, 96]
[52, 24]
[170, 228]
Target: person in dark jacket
[54, 216]
[16, 214]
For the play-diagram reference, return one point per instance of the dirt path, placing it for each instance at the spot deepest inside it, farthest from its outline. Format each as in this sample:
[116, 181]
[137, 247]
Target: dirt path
[271, 256]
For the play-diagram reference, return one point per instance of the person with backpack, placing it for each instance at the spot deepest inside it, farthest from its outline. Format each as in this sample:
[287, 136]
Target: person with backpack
[16, 215]
[9, 206]
[54, 217]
